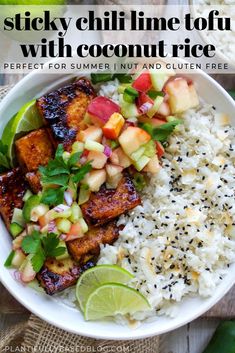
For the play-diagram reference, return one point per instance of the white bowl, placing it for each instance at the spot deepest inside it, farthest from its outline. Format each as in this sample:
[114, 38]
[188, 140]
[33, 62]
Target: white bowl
[71, 319]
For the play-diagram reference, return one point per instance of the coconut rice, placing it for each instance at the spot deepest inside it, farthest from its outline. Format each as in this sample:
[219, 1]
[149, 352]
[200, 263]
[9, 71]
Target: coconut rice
[181, 240]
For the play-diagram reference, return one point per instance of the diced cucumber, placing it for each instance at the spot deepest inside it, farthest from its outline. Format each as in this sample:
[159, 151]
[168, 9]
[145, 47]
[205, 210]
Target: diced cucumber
[157, 102]
[137, 154]
[27, 272]
[66, 253]
[17, 217]
[38, 211]
[128, 110]
[77, 147]
[94, 146]
[9, 259]
[27, 195]
[76, 213]
[141, 163]
[150, 149]
[15, 229]
[32, 201]
[18, 259]
[64, 214]
[84, 194]
[15, 259]
[83, 224]
[63, 225]
[159, 79]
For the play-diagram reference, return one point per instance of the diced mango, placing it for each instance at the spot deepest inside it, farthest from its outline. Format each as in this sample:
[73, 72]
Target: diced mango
[97, 159]
[114, 174]
[93, 133]
[181, 95]
[133, 138]
[95, 179]
[118, 157]
[112, 128]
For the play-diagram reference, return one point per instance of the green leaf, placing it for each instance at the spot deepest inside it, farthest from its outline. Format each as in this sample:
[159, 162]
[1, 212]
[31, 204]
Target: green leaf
[86, 168]
[162, 132]
[53, 197]
[31, 243]
[4, 160]
[74, 159]
[50, 242]
[60, 179]
[59, 151]
[38, 260]
[60, 250]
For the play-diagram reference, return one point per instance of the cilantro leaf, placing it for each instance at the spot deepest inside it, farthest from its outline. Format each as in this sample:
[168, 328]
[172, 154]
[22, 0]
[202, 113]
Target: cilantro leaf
[74, 159]
[53, 196]
[86, 168]
[59, 151]
[38, 260]
[60, 179]
[162, 132]
[42, 247]
[31, 243]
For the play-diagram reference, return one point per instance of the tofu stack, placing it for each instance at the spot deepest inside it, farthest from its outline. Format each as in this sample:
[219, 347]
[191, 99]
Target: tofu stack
[63, 113]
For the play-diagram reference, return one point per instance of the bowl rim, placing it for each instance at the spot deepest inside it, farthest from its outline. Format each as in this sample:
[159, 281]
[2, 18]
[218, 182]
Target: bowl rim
[114, 335]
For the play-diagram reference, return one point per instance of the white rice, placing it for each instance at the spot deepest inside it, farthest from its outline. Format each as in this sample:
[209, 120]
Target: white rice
[181, 240]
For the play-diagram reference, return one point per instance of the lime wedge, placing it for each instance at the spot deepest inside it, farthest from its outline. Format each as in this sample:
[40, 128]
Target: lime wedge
[27, 119]
[114, 298]
[95, 276]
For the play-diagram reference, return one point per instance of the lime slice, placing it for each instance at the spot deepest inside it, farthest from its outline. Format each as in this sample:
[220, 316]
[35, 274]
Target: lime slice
[27, 119]
[114, 298]
[95, 276]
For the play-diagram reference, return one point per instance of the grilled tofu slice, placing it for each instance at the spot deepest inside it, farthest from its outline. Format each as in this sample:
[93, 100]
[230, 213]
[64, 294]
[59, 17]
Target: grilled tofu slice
[107, 204]
[12, 189]
[34, 149]
[57, 275]
[63, 110]
[33, 179]
[88, 246]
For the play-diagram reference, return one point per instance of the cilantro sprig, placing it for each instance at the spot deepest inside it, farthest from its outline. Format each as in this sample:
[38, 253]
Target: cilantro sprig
[4, 160]
[59, 173]
[42, 247]
[162, 132]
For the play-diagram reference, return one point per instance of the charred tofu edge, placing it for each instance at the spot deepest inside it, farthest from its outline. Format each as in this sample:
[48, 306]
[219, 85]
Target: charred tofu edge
[107, 204]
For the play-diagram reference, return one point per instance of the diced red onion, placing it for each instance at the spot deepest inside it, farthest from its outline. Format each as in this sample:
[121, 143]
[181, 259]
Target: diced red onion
[63, 236]
[83, 160]
[107, 151]
[17, 275]
[145, 107]
[61, 208]
[68, 198]
[51, 227]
